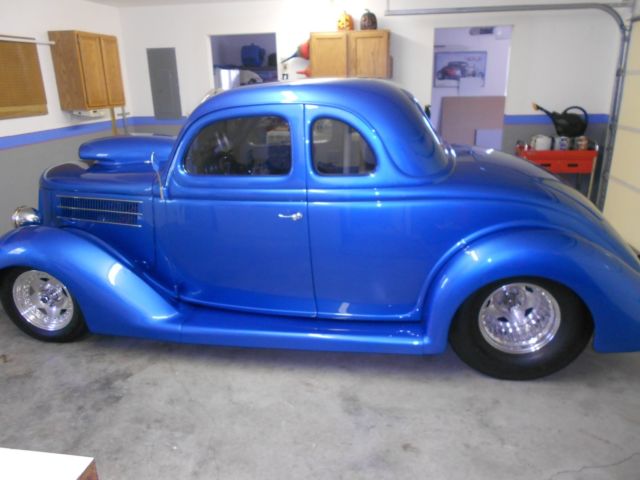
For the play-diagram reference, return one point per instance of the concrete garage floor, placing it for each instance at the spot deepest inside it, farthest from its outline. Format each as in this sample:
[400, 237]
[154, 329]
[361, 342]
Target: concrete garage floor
[150, 410]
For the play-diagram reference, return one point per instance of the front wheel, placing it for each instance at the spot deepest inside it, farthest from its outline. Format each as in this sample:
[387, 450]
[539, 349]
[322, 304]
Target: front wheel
[521, 329]
[41, 305]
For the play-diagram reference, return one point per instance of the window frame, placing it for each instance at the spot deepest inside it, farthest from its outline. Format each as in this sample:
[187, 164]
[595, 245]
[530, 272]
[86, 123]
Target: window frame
[185, 185]
[351, 126]
[386, 174]
[194, 138]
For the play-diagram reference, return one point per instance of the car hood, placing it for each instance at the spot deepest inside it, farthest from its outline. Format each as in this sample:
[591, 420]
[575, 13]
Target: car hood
[486, 174]
[114, 165]
[126, 150]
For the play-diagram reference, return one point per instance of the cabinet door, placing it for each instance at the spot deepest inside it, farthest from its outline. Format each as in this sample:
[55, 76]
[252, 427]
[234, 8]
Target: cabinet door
[328, 54]
[112, 73]
[92, 70]
[369, 54]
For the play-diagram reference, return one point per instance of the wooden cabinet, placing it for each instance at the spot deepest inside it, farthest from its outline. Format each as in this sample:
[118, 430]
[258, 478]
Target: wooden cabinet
[328, 54]
[369, 54]
[363, 53]
[87, 67]
[112, 71]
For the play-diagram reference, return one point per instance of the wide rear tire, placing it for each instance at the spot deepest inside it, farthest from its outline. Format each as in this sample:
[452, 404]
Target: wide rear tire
[521, 328]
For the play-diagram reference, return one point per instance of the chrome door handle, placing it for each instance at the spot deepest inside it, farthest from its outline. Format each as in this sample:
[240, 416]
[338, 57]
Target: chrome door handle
[294, 216]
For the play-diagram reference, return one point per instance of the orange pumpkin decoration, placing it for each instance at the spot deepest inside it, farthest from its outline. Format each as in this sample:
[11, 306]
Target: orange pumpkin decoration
[345, 22]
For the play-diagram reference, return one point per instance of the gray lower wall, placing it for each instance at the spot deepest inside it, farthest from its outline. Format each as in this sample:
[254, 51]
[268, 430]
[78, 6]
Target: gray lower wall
[21, 167]
[159, 129]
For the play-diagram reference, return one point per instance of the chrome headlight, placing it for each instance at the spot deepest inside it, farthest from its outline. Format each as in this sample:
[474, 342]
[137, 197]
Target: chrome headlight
[25, 216]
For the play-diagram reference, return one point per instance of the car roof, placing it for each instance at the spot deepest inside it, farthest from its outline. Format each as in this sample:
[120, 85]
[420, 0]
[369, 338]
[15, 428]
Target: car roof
[353, 92]
[390, 110]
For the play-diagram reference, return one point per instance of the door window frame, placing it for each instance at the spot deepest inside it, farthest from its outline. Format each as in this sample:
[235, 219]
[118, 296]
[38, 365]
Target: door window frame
[185, 184]
[384, 169]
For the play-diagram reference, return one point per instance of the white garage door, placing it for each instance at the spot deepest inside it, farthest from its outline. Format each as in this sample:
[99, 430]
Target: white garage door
[622, 205]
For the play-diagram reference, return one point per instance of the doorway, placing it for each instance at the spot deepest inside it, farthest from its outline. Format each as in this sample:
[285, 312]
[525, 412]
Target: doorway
[163, 75]
[243, 59]
[469, 85]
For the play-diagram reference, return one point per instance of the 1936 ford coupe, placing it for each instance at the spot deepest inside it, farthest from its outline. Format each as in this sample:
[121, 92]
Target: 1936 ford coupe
[321, 215]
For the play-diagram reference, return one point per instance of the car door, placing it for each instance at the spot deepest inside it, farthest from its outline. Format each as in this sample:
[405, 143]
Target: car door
[233, 232]
[370, 244]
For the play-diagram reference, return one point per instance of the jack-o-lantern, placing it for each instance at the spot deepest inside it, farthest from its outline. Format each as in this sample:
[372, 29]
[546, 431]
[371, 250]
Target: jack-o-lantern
[345, 21]
[368, 21]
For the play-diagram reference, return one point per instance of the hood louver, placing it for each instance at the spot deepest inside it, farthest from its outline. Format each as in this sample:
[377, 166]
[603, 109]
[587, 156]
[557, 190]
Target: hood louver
[99, 210]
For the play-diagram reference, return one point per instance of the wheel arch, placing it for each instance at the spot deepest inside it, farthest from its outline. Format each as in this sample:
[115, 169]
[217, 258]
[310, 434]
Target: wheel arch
[113, 297]
[583, 267]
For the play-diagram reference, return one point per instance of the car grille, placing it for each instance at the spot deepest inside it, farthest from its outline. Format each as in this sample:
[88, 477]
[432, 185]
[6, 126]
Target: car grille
[99, 210]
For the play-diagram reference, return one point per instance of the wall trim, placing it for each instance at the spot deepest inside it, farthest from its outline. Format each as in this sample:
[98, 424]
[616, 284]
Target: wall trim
[537, 119]
[23, 139]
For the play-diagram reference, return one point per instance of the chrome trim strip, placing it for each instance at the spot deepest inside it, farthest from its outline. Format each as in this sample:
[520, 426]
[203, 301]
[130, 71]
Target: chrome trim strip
[62, 217]
[99, 198]
[62, 207]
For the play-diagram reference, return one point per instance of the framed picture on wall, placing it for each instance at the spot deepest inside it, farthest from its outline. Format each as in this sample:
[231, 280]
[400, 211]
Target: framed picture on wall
[450, 67]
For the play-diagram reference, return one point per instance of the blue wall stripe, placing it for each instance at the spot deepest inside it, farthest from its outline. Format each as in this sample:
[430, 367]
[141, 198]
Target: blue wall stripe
[13, 141]
[538, 119]
[155, 121]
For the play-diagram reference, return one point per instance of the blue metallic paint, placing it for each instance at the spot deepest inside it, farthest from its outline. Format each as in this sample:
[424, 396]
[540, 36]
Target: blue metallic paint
[123, 150]
[378, 263]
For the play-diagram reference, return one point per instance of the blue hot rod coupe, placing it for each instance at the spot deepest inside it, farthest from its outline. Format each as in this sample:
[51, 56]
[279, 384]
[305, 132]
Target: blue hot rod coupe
[321, 215]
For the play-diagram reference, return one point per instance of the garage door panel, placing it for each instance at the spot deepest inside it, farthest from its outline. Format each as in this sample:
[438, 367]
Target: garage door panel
[622, 203]
[620, 199]
[634, 51]
[629, 116]
[627, 157]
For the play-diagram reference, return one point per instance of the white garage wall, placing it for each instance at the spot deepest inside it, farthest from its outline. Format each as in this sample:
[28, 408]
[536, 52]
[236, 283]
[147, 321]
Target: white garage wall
[558, 58]
[33, 18]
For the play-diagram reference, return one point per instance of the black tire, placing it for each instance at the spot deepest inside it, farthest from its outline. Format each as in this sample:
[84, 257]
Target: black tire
[572, 335]
[74, 329]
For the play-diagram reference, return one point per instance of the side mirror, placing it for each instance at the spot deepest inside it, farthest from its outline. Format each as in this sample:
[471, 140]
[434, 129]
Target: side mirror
[156, 168]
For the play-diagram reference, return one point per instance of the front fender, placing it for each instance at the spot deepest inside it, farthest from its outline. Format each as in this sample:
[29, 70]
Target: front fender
[608, 286]
[113, 298]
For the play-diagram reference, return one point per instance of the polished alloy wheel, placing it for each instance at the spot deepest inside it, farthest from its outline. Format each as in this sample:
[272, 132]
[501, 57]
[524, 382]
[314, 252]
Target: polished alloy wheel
[42, 300]
[519, 318]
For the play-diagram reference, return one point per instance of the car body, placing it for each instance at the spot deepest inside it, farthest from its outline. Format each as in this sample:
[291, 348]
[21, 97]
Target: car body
[320, 215]
[456, 70]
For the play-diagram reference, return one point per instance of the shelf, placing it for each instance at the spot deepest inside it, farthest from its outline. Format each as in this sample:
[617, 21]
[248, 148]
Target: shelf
[264, 68]
[561, 161]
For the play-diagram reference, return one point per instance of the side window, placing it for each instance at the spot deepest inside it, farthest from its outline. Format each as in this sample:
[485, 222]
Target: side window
[241, 146]
[339, 149]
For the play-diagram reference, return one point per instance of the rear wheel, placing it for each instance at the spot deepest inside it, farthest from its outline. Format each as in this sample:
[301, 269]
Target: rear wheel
[41, 305]
[520, 329]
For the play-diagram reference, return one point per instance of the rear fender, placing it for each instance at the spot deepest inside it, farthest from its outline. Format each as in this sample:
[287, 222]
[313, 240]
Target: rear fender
[608, 286]
[113, 298]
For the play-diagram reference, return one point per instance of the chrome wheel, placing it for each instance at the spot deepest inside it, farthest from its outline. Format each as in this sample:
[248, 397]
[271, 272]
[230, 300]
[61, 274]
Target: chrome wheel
[519, 318]
[42, 300]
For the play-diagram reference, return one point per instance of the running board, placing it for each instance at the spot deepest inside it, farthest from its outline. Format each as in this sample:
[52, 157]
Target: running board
[215, 327]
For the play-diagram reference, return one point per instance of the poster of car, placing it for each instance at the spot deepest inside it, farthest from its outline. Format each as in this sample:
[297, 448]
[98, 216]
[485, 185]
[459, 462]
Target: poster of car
[450, 67]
